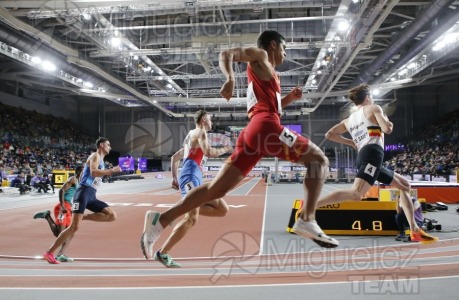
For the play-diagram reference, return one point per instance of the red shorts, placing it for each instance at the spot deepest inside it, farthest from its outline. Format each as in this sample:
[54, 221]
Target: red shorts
[265, 136]
[61, 218]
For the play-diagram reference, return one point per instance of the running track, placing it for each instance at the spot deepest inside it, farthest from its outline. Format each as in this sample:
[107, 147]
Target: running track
[233, 252]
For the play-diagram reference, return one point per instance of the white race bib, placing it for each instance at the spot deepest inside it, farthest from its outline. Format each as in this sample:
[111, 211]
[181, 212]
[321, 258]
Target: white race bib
[370, 170]
[96, 183]
[279, 103]
[251, 98]
[287, 137]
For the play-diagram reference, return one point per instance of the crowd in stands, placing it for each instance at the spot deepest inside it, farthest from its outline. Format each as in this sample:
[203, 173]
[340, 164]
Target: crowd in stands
[432, 150]
[34, 144]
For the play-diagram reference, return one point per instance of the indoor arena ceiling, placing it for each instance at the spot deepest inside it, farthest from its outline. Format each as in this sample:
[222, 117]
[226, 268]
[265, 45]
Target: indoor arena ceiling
[165, 53]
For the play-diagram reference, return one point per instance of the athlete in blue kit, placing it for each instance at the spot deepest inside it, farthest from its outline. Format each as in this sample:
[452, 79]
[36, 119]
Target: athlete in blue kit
[196, 147]
[85, 197]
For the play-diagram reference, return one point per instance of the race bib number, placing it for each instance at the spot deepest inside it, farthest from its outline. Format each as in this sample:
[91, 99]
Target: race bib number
[76, 206]
[370, 170]
[288, 137]
[189, 186]
[251, 98]
[279, 103]
[96, 183]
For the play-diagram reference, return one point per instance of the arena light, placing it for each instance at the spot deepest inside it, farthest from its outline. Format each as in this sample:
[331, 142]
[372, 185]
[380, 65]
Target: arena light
[439, 46]
[402, 72]
[36, 60]
[48, 66]
[88, 84]
[343, 25]
[115, 41]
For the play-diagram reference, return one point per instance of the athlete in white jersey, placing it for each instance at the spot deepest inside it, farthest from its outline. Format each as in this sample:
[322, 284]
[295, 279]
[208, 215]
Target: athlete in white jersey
[85, 197]
[367, 126]
[196, 147]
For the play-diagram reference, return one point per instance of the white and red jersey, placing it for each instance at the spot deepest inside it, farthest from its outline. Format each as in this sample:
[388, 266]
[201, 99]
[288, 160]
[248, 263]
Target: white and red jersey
[196, 154]
[263, 95]
[363, 131]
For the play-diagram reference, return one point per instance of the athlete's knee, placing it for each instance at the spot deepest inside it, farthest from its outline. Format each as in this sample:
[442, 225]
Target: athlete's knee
[74, 227]
[356, 195]
[405, 186]
[191, 218]
[324, 160]
[110, 215]
[319, 159]
[317, 166]
[222, 209]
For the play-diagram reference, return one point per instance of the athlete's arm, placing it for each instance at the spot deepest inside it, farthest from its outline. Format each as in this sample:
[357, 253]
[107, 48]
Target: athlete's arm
[382, 120]
[258, 59]
[295, 94]
[93, 161]
[175, 160]
[63, 189]
[336, 134]
[207, 149]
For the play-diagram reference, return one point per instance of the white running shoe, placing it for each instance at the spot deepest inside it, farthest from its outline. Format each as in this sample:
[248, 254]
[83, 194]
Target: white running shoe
[312, 231]
[151, 231]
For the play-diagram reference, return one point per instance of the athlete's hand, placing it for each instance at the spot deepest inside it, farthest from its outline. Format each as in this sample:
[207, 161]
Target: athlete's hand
[296, 93]
[175, 184]
[116, 169]
[229, 148]
[227, 89]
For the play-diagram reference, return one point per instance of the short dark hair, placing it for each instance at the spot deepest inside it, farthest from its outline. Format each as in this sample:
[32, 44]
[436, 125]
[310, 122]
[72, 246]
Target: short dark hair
[199, 115]
[264, 40]
[358, 94]
[100, 140]
[78, 169]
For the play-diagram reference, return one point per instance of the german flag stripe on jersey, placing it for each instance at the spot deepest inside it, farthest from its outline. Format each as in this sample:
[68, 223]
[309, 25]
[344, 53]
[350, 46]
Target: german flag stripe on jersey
[374, 131]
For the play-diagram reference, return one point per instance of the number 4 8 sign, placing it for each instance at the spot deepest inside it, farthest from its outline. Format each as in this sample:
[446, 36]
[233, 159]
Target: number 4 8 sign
[376, 226]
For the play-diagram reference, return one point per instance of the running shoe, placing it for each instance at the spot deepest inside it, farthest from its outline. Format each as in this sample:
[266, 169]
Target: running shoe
[401, 237]
[423, 237]
[312, 231]
[49, 257]
[42, 214]
[166, 260]
[64, 258]
[151, 231]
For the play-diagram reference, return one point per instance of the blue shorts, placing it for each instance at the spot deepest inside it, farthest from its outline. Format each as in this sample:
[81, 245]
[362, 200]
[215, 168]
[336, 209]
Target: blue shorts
[188, 182]
[190, 176]
[85, 198]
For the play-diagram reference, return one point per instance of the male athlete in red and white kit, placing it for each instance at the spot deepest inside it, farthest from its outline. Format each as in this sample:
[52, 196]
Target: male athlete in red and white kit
[263, 136]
